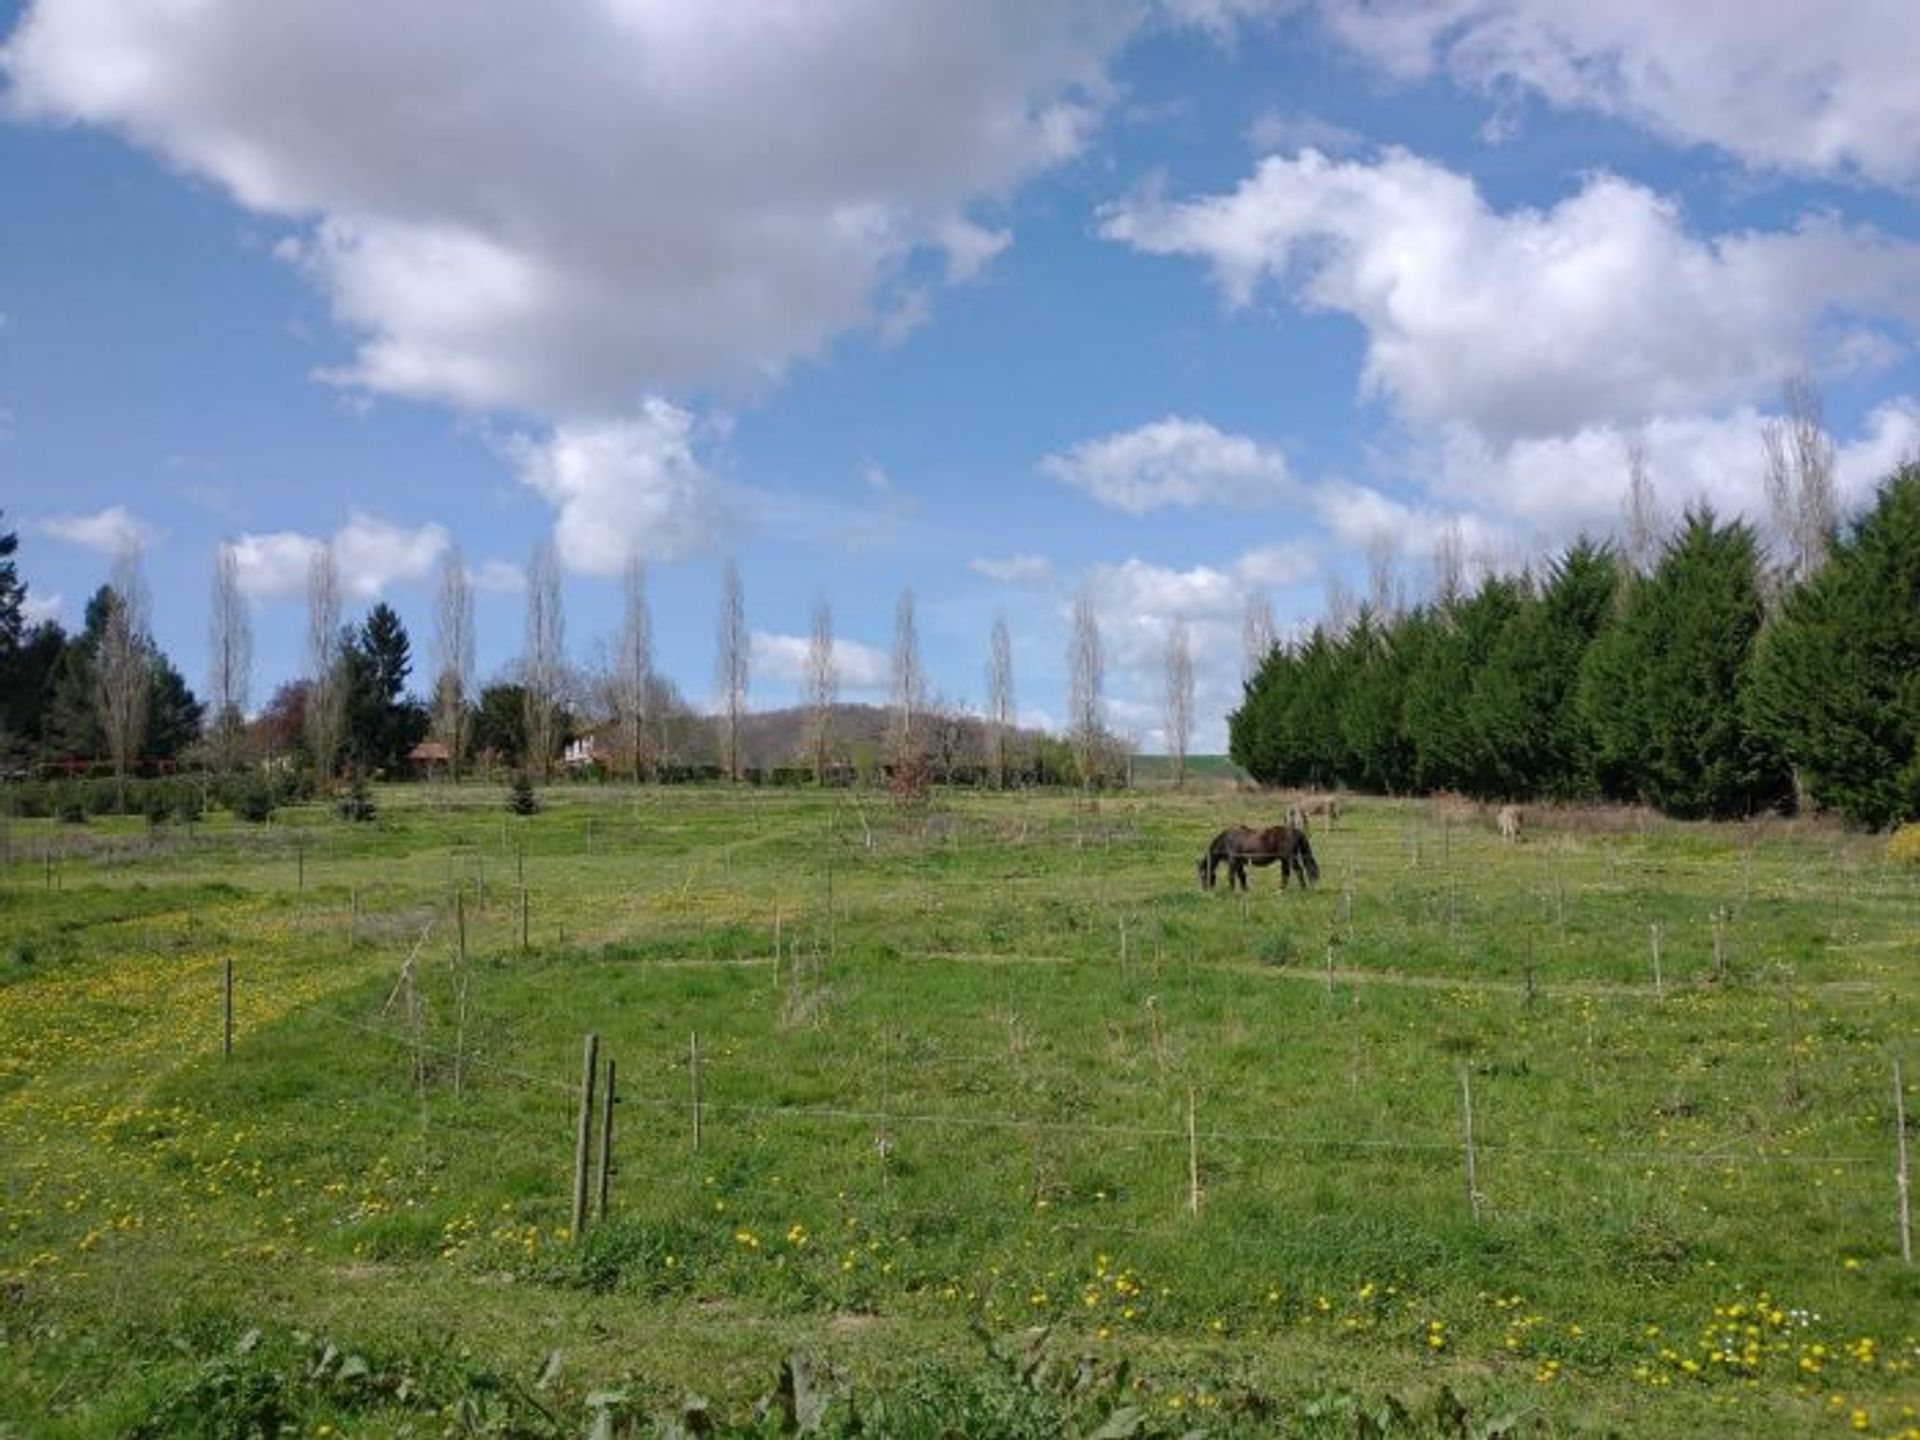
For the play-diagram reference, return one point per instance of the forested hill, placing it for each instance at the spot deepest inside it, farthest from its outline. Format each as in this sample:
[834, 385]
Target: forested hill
[1706, 683]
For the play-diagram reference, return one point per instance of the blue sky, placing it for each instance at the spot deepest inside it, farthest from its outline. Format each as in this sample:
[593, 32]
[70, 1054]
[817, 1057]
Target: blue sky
[1195, 305]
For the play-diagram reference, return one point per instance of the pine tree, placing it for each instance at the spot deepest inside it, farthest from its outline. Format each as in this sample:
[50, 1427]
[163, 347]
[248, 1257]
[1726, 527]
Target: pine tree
[1836, 682]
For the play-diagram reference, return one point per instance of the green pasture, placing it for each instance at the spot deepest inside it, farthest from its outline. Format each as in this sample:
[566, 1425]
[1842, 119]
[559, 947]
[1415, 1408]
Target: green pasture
[1005, 1126]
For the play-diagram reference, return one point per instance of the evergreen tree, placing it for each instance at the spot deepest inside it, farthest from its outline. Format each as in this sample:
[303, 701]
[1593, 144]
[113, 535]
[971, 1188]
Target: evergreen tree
[13, 596]
[1836, 681]
[1449, 753]
[382, 725]
[1377, 662]
[1523, 702]
[1662, 690]
[173, 712]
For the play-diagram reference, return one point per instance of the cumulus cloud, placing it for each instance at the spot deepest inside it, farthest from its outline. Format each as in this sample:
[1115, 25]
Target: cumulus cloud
[1602, 309]
[563, 207]
[622, 485]
[1823, 89]
[1277, 566]
[371, 553]
[110, 531]
[785, 657]
[1172, 462]
[1554, 487]
[1020, 569]
[37, 609]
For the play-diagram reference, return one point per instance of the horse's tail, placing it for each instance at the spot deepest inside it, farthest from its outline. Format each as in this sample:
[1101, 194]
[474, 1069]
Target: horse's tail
[1306, 857]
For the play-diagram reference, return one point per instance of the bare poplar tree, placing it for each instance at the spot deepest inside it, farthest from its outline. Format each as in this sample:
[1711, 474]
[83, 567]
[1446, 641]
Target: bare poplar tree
[1449, 565]
[453, 658]
[1341, 606]
[730, 675]
[823, 688]
[1086, 681]
[1641, 523]
[545, 665]
[230, 663]
[1799, 477]
[1383, 578]
[326, 695]
[908, 690]
[634, 671]
[125, 671]
[1179, 716]
[1000, 711]
[1256, 634]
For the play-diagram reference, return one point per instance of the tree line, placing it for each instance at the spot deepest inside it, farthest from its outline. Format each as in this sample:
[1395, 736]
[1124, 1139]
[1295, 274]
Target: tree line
[108, 701]
[1702, 680]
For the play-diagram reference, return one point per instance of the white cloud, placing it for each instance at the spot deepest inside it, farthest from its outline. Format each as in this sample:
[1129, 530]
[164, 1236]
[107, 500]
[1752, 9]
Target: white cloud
[1174, 461]
[1600, 310]
[110, 531]
[561, 208]
[621, 485]
[274, 566]
[1279, 565]
[498, 577]
[1283, 130]
[1021, 569]
[36, 609]
[785, 657]
[1811, 88]
[1554, 487]
[371, 554]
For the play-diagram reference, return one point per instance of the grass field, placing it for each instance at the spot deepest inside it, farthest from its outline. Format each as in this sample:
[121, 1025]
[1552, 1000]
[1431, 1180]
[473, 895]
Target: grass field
[1006, 1128]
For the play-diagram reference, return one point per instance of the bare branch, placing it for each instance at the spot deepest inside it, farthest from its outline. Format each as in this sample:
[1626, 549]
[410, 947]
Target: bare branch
[1256, 634]
[125, 662]
[1086, 681]
[1000, 709]
[230, 664]
[908, 689]
[635, 668]
[1179, 698]
[823, 688]
[731, 670]
[545, 665]
[326, 697]
[453, 658]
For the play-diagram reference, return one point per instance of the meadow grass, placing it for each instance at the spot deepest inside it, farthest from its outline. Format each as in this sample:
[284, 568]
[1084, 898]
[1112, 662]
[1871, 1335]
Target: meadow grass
[948, 1059]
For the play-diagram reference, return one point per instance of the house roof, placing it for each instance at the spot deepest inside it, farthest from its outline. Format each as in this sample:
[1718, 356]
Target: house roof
[429, 750]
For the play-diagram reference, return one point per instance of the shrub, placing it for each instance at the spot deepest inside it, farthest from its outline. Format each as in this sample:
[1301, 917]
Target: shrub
[357, 804]
[250, 798]
[520, 797]
[1903, 848]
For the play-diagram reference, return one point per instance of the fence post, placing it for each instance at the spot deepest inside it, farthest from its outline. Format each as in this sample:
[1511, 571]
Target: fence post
[1193, 1158]
[605, 1167]
[1659, 986]
[583, 1136]
[353, 917]
[1902, 1176]
[226, 1008]
[693, 1065]
[1473, 1170]
[523, 919]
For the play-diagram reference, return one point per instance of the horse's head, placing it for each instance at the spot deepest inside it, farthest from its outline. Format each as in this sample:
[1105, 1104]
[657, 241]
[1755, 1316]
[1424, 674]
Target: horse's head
[1206, 871]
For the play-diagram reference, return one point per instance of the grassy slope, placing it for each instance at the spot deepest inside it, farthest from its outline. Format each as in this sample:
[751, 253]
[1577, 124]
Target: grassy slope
[960, 1098]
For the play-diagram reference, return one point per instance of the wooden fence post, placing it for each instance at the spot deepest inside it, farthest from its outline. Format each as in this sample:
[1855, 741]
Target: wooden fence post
[226, 1008]
[1902, 1176]
[693, 1066]
[523, 919]
[583, 1135]
[1193, 1158]
[1473, 1170]
[605, 1167]
[1659, 985]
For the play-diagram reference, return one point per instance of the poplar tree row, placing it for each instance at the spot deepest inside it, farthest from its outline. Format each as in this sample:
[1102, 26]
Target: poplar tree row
[1708, 685]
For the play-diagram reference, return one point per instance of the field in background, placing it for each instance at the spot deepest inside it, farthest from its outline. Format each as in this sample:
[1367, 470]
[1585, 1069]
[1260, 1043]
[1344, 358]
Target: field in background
[965, 1071]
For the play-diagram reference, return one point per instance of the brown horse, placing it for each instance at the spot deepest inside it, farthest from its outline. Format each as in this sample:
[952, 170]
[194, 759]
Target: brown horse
[1238, 846]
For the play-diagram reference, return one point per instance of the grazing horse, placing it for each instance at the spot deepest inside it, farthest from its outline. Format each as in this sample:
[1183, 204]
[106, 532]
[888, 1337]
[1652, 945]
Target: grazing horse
[1239, 846]
[1509, 821]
